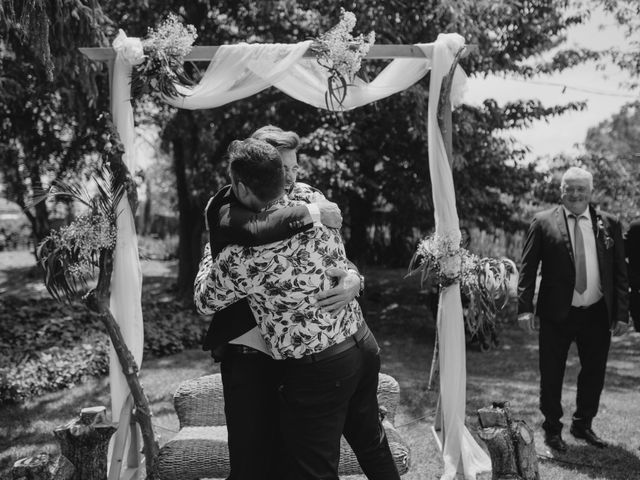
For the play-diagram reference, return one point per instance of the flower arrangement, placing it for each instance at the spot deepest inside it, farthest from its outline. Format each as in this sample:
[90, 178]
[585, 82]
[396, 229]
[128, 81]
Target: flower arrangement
[341, 54]
[487, 283]
[81, 241]
[158, 59]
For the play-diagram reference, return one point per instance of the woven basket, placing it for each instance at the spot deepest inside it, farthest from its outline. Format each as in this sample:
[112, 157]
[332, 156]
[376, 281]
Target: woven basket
[200, 449]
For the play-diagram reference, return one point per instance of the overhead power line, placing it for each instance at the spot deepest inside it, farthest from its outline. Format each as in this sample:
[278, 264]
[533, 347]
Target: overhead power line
[579, 89]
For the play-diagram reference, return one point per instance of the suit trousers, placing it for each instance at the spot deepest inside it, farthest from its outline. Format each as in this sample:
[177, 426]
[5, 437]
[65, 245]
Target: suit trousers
[589, 328]
[323, 400]
[250, 383]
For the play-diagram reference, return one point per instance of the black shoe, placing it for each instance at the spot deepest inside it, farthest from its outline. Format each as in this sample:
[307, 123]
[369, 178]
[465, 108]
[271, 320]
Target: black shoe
[588, 435]
[555, 441]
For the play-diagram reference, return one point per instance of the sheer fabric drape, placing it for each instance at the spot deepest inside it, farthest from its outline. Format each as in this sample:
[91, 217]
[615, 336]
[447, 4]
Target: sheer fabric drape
[238, 71]
[461, 453]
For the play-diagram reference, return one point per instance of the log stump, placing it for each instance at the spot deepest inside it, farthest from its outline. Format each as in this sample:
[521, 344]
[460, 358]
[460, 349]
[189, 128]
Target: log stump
[84, 441]
[511, 444]
[43, 467]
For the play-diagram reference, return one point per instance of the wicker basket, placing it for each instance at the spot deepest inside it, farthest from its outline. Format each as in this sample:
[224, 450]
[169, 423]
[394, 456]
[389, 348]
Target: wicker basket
[199, 450]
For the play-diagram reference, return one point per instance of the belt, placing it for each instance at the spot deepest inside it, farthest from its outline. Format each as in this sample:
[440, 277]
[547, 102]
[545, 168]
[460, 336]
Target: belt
[351, 341]
[233, 348]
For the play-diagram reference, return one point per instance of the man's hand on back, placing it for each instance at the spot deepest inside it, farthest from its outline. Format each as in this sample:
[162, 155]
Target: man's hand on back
[330, 214]
[338, 297]
[620, 329]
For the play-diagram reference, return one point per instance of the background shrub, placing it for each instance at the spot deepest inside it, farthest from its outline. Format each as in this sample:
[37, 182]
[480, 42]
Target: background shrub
[42, 352]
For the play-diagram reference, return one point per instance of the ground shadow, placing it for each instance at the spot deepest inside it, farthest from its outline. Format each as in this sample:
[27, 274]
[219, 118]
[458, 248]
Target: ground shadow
[613, 463]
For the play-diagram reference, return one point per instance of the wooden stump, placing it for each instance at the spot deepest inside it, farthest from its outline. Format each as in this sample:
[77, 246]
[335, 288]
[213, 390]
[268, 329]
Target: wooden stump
[84, 441]
[510, 443]
[43, 467]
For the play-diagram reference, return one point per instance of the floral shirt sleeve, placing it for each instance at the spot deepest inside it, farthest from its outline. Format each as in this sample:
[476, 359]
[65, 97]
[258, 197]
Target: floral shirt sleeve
[214, 287]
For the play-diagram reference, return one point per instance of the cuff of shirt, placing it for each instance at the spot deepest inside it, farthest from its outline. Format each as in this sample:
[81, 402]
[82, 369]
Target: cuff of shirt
[314, 212]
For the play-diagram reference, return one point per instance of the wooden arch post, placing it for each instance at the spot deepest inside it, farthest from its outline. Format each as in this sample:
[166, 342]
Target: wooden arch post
[122, 468]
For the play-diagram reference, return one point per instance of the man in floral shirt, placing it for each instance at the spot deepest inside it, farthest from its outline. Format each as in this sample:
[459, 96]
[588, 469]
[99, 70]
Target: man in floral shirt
[330, 361]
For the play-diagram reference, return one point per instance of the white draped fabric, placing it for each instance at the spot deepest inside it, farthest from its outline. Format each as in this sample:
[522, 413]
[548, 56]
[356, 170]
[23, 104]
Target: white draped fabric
[126, 279]
[461, 453]
[238, 71]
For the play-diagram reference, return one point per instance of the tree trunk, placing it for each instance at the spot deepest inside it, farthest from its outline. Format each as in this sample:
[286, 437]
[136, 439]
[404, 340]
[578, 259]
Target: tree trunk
[41, 226]
[510, 443]
[85, 443]
[357, 244]
[43, 467]
[190, 217]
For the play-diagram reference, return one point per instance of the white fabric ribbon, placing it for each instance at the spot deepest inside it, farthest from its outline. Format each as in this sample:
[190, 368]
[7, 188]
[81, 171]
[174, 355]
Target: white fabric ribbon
[128, 48]
[239, 71]
[461, 453]
[126, 279]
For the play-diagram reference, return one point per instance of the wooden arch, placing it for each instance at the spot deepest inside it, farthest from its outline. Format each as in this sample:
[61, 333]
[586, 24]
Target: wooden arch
[126, 462]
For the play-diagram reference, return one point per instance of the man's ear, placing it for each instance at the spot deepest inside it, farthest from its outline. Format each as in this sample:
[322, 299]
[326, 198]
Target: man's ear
[242, 189]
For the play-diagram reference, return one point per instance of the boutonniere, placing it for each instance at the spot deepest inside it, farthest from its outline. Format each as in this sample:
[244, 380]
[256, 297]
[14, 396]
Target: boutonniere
[603, 233]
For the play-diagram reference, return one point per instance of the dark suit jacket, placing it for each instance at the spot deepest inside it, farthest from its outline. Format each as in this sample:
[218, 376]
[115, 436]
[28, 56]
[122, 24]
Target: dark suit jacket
[632, 249]
[548, 243]
[230, 222]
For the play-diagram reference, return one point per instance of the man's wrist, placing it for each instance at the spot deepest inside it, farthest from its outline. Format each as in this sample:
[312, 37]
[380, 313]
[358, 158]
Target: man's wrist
[361, 279]
[314, 213]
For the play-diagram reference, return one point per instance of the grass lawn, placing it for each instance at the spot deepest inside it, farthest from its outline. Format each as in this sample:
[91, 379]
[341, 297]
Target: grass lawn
[395, 310]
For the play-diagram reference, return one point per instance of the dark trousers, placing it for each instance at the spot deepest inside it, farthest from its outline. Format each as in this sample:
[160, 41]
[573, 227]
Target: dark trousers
[589, 328]
[634, 307]
[250, 383]
[320, 401]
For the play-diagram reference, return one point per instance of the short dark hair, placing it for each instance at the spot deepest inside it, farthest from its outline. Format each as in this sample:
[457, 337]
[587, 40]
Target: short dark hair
[277, 137]
[258, 166]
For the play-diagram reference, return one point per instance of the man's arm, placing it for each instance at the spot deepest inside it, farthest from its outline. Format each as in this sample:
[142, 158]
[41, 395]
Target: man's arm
[621, 288]
[233, 223]
[217, 284]
[528, 273]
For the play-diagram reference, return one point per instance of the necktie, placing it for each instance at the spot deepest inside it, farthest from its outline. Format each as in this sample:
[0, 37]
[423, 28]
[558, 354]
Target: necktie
[581, 262]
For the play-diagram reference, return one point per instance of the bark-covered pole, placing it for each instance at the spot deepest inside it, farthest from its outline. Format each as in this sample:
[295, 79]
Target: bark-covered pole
[97, 300]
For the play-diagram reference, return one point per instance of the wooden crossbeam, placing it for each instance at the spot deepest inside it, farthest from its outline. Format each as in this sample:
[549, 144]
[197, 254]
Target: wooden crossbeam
[206, 53]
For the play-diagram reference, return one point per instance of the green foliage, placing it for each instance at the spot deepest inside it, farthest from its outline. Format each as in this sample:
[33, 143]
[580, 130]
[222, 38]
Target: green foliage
[153, 248]
[612, 156]
[627, 55]
[42, 352]
[48, 96]
[376, 160]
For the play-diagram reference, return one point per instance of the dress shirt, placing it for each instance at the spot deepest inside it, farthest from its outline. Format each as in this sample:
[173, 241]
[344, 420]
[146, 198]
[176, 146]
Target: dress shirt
[281, 280]
[593, 293]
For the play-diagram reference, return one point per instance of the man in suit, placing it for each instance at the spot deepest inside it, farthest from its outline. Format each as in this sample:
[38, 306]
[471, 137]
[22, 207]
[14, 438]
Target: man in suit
[632, 249]
[250, 376]
[330, 360]
[583, 298]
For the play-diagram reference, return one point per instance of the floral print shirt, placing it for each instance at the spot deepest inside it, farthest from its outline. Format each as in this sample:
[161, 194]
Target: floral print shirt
[280, 281]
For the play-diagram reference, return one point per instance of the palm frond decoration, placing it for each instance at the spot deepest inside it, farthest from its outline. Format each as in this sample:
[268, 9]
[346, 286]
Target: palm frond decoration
[69, 256]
